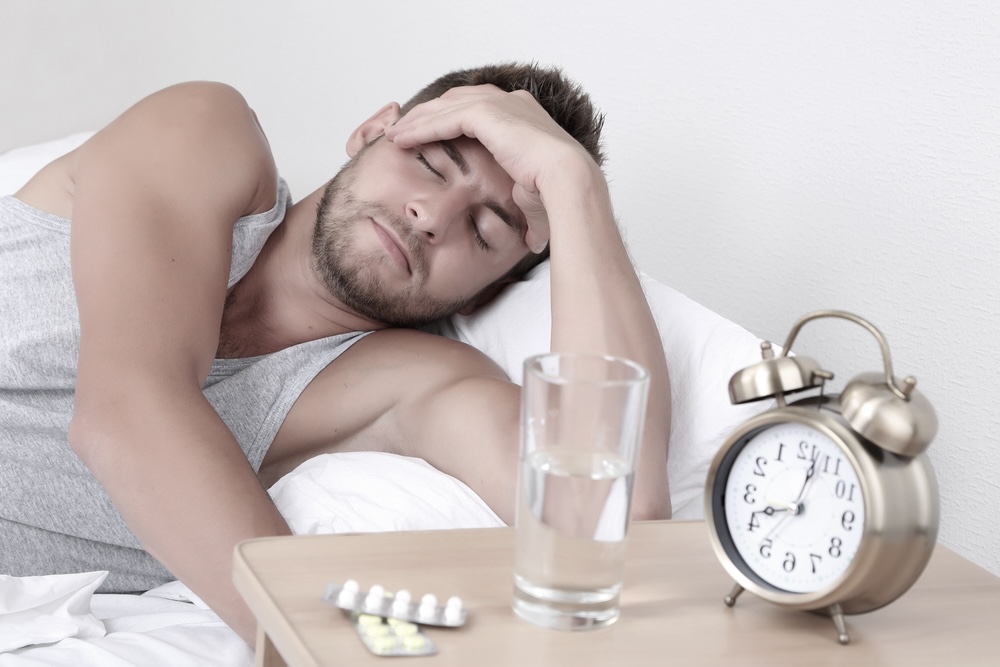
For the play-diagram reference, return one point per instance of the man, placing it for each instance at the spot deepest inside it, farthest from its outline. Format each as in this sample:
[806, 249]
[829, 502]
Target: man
[211, 348]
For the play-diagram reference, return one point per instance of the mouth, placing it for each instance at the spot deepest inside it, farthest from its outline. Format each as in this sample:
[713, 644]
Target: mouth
[394, 246]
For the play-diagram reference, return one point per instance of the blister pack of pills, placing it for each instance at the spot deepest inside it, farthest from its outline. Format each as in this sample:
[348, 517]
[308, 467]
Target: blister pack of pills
[391, 637]
[400, 605]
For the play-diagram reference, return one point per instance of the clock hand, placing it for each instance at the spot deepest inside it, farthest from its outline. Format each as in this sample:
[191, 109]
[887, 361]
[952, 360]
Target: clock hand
[777, 526]
[770, 510]
[793, 508]
[780, 506]
[805, 485]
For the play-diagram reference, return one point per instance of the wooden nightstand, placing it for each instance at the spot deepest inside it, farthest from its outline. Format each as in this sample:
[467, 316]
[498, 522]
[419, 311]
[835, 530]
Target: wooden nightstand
[672, 609]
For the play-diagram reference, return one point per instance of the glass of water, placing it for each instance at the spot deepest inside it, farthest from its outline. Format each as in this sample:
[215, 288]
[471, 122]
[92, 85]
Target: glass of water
[581, 423]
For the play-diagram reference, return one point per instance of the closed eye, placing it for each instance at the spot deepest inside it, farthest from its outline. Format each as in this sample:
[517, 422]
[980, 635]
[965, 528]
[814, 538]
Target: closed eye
[480, 241]
[477, 235]
[427, 165]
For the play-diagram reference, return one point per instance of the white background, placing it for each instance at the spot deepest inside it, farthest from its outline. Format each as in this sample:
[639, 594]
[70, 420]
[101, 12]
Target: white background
[766, 158]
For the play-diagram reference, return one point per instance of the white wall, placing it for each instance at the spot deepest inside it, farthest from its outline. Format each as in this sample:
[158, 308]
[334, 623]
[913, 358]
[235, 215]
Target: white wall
[768, 159]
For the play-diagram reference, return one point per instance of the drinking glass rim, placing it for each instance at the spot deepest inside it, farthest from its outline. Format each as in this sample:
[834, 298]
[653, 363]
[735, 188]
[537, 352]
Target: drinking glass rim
[534, 366]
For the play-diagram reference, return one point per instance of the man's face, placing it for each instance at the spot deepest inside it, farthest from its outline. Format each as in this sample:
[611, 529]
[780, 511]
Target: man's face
[405, 237]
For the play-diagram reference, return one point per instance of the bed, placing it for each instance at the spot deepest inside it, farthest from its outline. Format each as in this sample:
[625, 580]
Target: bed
[59, 620]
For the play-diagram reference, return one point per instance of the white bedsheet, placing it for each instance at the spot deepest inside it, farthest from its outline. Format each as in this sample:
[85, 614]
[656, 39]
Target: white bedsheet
[170, 626]
[144, 630]
[368, 492]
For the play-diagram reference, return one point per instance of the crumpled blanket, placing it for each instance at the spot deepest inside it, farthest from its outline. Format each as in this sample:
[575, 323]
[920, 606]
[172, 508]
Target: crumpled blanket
[42, 610]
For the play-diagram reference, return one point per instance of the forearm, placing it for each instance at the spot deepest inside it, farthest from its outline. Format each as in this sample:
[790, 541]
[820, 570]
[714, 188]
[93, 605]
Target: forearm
[156, 194]
[598, 306]
[184, 487]
[597, 301]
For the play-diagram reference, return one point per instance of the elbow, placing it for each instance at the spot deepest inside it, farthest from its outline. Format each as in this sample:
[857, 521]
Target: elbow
[99, 432]
[110, 419]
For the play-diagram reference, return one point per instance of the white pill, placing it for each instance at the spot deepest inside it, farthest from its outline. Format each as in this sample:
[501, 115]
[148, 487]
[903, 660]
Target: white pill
[428, 605]
[403, 596]
[377, 591]
[401, 605]
[346, 597]
[454, 602]
[351, 585]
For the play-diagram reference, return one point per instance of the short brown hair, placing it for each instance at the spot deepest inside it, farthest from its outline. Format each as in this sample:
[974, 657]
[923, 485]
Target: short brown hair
[561, 98]
[565, 101]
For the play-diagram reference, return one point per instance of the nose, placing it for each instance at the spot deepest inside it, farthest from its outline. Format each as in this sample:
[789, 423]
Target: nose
[432, 216]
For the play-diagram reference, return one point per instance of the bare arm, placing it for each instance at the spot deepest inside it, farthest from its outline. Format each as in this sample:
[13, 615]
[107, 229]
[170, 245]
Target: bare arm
[156, 197]
[565, 199]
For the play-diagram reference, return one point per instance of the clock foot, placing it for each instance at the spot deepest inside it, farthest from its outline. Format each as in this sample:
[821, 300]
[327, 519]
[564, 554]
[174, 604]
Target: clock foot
[837, 614]
[730, 599]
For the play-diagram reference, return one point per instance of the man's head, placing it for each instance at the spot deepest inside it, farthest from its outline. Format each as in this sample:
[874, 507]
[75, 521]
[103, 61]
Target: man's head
[370, 201]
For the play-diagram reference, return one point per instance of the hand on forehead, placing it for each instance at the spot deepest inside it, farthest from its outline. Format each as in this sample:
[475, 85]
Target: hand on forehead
[520, 135]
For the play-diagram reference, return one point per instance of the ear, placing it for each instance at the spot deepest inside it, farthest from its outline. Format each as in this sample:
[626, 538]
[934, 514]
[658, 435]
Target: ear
[373, 128]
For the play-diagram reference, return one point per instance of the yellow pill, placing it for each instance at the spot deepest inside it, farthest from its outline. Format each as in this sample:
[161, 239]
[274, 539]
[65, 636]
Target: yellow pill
[368, 619]
[414, 642]
[385, 644]
[405, 629]
[380, 630]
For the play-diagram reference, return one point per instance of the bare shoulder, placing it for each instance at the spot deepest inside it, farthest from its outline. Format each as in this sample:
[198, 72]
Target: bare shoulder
[355, 402]
[182, 136]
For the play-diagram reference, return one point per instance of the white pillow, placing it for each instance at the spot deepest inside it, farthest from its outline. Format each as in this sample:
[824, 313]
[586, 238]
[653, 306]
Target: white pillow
[703, 350]
[368, 492]
[20, 164]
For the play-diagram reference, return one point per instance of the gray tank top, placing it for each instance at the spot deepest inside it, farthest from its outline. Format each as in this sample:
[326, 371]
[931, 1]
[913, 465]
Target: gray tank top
[54, 515]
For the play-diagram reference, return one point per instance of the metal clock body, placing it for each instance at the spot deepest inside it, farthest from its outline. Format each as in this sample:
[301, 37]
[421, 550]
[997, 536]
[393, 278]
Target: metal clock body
[805, 510]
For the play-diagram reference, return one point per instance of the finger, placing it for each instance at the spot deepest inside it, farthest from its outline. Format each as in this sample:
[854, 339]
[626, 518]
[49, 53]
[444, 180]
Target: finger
[452, 98]
[537, 236]
[472, 90]
[439, 126]
[427, 133]
[453, 101]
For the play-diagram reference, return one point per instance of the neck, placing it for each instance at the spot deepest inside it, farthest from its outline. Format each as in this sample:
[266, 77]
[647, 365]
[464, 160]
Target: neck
[281, 301]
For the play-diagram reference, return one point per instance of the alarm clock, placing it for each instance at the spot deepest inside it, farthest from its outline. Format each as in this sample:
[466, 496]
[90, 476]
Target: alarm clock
[826, 503]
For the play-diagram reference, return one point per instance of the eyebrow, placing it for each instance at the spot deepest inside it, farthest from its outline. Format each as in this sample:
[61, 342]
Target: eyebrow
[456, 156]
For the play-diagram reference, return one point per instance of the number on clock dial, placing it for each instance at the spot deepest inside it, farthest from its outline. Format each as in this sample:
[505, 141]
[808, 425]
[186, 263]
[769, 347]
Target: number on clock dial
[794, 507]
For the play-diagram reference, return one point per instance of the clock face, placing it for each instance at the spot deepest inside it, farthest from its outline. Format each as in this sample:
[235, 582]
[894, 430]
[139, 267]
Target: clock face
[793, 507]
